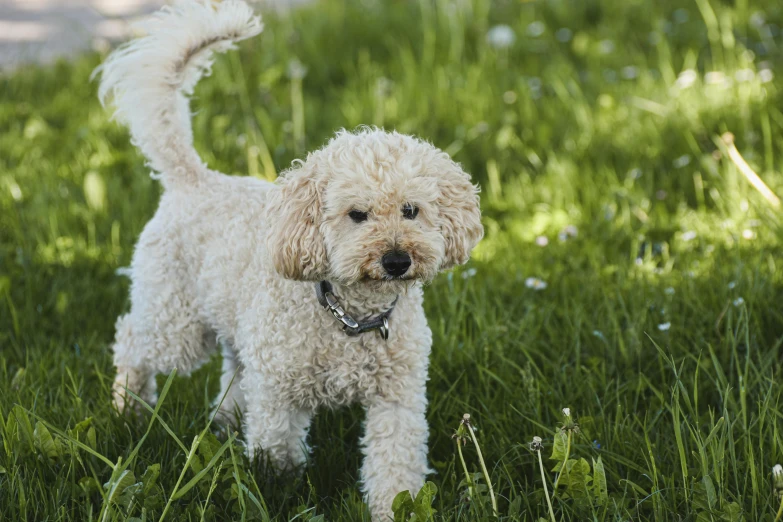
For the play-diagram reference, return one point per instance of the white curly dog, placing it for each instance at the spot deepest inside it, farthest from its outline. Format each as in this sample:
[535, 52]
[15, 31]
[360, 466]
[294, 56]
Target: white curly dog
[300, 280]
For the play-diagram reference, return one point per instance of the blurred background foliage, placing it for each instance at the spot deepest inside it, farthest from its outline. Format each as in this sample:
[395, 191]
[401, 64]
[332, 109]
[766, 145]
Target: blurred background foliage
[629, 271]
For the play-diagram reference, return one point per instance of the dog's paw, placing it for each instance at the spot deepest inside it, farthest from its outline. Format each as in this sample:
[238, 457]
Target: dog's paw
[123, 401]
[125, 404]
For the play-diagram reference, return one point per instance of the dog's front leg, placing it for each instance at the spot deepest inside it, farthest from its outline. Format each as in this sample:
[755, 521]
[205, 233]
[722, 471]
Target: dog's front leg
[278, 432]
[395, 451]
[274, 427]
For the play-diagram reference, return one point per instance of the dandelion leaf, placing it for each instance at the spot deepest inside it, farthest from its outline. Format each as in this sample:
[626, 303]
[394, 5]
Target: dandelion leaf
[733, 513]
[600, 493]
[709, 489]
[150, 477]
[559, 447]
[576, 478]
[402, 506]
[422, 506]
[24, 428]
[45, 442]
[514, 508]
[117, 485]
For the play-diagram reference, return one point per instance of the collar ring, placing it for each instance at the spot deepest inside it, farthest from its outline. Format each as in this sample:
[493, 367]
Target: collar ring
[352, 327]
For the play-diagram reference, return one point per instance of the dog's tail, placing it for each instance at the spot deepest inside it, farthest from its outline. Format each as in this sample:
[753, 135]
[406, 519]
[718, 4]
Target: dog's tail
[150, 78]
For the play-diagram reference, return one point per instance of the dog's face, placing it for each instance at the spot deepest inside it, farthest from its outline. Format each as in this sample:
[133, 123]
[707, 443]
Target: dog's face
[382, 225]
[374, 208]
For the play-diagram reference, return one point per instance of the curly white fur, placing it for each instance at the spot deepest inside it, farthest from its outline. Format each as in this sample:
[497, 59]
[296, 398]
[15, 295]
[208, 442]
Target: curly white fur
[150, 78]
[233, 259]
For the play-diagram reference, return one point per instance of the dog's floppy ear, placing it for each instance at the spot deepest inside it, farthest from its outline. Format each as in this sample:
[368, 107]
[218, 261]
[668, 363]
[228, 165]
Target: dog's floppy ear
[458, 204]
[295, 210]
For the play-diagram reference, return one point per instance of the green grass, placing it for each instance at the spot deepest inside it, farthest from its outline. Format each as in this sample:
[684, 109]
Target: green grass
[592, 132]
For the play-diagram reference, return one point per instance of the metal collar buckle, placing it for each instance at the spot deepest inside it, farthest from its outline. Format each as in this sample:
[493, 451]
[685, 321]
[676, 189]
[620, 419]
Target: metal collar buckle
[351, 326]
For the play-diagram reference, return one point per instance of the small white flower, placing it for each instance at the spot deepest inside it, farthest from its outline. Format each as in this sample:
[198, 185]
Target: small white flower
[567, 412]
[501, 36]
[629, 72]
[470, 272]
[567, 233]
[688, 235]
[101, 45]
[777, 476]
[686, 78]
[536, 445]
[542, 241]
[534, 83]
[714, 77]
[668, 291]
[536, 29]
[16, 191]
[681, 16]
[748, 234]
[564, 34]
[758, 19]
[481, 127]
[535, 283]
[739, 302]
[606, 46]
[296, 69]
[766, 75]
[744, 75]
[731, 285]
[383, 87]
[664, 326]
[682, 161]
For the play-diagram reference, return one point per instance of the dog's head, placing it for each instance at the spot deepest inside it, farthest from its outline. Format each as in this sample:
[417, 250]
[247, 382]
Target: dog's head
[373, 207]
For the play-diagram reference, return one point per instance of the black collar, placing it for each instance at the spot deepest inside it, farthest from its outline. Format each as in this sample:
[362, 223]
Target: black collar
[326, 298]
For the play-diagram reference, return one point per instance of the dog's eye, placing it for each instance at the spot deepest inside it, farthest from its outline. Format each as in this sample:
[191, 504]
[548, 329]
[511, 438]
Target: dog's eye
[358, 216]
[409, 211]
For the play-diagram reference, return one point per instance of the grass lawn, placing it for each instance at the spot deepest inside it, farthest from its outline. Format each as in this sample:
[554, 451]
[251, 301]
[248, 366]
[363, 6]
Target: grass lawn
[655, 313]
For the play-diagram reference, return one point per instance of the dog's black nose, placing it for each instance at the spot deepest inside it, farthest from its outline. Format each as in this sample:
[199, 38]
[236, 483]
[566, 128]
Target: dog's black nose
[396, 263]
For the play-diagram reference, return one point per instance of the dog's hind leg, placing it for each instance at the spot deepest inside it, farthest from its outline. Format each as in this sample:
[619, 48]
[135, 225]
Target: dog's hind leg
[157, 336]
[231, 395]
[132, 372]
